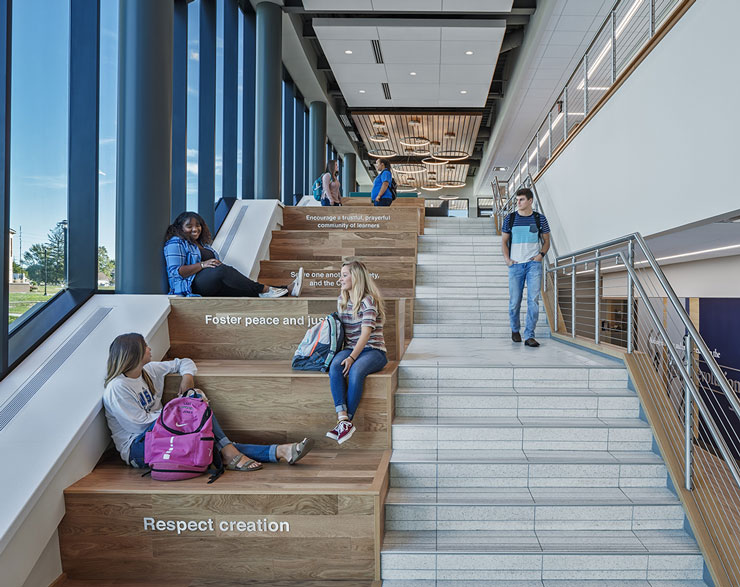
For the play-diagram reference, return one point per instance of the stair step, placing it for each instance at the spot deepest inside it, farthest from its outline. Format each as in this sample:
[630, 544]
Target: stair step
[592, 434]
[541, 555]
[524, 377]
[484, 517]
[536, 583]
[556, 404]
[535, 496]
[473, 330]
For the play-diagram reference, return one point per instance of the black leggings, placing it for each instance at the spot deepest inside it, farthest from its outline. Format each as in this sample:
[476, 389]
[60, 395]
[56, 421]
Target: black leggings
[225, 281]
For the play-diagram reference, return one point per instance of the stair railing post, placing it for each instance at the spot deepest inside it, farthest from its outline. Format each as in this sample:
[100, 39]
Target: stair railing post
[688, 415]
[573, 299]
[585, 86]
[630, 296]
[565, 113]
[549, 135]
[555, 295]
[597, 302]
[614, 46]
[651, 17]
[537, 160]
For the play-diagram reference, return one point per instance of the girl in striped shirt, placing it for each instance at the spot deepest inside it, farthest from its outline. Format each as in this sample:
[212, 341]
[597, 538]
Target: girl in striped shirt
[360, 309]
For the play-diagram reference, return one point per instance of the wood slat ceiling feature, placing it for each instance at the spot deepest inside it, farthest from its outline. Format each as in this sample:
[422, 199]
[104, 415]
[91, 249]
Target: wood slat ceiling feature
[433, 127]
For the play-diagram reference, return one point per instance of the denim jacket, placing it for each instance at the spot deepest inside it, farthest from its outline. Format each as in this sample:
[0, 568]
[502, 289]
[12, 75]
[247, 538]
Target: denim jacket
[179, 252]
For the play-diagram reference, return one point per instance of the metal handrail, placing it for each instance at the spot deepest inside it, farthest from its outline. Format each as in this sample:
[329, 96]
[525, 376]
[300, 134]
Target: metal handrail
[703, 349]
[605, 47]
[693, 338]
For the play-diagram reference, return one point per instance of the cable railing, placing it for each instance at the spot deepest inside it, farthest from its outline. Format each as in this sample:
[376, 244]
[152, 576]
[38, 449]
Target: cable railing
[616, 294]
[628, 27]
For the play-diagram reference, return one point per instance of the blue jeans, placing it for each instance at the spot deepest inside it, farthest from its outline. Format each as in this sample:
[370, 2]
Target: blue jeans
[328, 202]
[264, 453]
[347, 393]
[519, 273]
[383, 202]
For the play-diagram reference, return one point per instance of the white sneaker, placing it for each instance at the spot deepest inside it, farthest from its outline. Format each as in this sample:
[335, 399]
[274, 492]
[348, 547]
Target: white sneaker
[296, 286]
[274, 292]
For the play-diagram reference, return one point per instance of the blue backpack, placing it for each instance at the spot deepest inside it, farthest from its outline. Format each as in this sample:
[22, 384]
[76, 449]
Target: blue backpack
[318, 188]
[321, 343]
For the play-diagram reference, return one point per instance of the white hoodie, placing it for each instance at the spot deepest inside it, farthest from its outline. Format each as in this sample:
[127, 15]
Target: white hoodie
[130, 406]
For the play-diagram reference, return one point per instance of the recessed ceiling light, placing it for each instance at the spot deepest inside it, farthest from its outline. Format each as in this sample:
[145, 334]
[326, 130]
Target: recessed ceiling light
[348, 52]
[463, 91]
[468, 52]
[412, 73]
[362, 91]
[500, 168]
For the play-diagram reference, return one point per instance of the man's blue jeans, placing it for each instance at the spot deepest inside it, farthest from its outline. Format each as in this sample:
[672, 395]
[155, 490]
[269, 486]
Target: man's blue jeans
[519, 274]
[347, 393]
[264, 453]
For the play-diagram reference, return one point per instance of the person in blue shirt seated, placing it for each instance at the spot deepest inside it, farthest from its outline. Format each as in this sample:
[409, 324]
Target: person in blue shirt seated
[381, 192]
[194, 269]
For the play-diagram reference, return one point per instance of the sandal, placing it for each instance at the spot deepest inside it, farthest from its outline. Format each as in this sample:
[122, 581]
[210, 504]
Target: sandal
[300, 449]
[234, 464]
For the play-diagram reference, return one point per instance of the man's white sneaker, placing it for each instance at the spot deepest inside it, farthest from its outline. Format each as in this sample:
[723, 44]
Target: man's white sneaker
[274, 292]
[296, 286]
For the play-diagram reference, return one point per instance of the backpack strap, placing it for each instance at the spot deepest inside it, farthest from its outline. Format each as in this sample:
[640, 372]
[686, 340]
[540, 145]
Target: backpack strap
[539, 227]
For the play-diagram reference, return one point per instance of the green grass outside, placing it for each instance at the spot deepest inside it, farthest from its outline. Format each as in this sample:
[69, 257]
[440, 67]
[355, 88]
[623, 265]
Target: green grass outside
[20, 303]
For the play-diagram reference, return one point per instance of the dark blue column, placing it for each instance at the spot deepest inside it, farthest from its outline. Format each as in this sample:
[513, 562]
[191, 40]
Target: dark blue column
[179, 109]
[349, 177]
[207, 112]
[317, 140]
[288, 143]
[82, 204]
[249, 81]
[267, 110]
[307, 181]
[231, 94]
[145, 35]
[299, 142]
[5, 61]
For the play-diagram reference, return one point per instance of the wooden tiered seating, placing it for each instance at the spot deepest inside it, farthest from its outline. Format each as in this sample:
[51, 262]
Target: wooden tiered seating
[325, 245]
[260, 329]
[395, 279]
[327, 511]
[417, 203]
[319, 523]
[368, 218]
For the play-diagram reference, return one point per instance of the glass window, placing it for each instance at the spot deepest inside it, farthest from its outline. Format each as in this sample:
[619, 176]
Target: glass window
[107, 144]
[38, 153]
[192, 104]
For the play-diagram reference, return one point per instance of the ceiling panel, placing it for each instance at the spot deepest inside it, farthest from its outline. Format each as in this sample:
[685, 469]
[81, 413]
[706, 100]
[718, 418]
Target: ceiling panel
[425, 47]
[408, 5]
[433, 126]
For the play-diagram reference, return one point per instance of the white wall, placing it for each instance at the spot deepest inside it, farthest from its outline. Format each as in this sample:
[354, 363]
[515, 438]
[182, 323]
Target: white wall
[651, 159]
[707, 278]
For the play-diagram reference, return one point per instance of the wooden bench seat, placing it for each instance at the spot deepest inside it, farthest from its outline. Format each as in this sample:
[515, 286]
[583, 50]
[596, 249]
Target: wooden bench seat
[355, 219]
[319, 520]
[395, 279]
[267, 402]
[401, 201]
[326, 245]
[261, 329]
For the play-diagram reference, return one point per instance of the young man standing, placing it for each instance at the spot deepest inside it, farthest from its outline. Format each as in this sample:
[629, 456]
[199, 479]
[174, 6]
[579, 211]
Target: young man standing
[520, 241]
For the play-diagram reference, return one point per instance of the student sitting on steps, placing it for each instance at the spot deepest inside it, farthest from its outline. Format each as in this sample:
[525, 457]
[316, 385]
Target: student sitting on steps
[360, 309]
[193, 267]
[133, 401]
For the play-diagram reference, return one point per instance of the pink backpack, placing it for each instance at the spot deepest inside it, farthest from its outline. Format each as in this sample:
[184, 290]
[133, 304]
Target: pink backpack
[180, 446]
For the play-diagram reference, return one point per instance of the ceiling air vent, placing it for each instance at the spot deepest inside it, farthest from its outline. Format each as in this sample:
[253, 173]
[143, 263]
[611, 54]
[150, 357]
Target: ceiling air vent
[386, 91]
[377, 51]
[353, 136]
[344, 119]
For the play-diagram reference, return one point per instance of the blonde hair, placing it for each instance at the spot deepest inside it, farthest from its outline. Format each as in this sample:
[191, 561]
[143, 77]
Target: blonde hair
[363, 285]
[125, 353]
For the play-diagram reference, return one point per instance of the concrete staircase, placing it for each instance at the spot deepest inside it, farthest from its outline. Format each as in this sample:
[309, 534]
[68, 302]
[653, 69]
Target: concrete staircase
[462, 288]
[519, 467]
